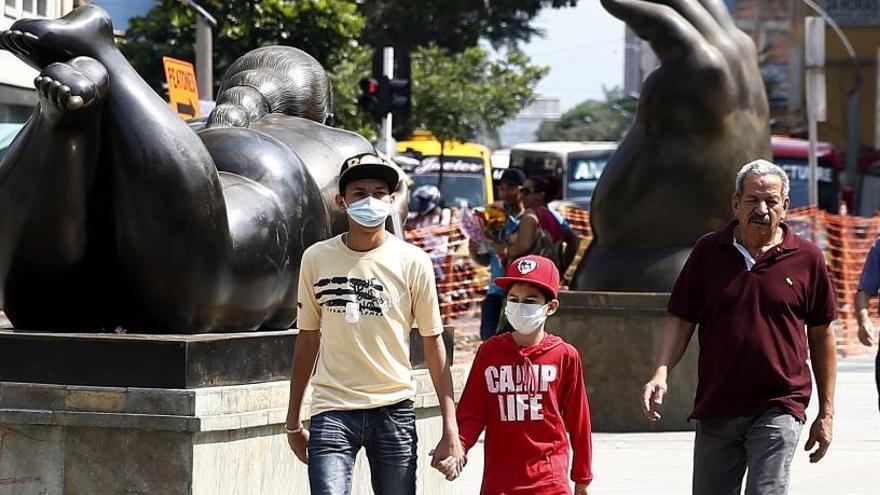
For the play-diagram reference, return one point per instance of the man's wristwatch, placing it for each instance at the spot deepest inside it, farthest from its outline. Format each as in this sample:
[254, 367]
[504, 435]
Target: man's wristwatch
[290, 430]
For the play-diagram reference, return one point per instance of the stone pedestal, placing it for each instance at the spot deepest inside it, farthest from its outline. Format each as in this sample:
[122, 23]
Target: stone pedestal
[188, 414]
[160, 361]
[617, 335]
[72, 440]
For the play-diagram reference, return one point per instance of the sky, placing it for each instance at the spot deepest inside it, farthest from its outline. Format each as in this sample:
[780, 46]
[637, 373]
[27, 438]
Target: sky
[121, 10]
[583, 46]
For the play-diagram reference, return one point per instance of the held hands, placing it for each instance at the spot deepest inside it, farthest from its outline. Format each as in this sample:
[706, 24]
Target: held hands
[449, 467]
[820, 433]
[652, 396]
[448, 457]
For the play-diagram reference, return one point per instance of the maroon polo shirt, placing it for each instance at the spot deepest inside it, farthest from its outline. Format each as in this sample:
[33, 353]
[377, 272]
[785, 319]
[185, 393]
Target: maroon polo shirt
[753, 342]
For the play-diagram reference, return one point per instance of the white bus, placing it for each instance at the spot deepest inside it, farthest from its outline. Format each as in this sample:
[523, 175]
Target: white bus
[575, 166]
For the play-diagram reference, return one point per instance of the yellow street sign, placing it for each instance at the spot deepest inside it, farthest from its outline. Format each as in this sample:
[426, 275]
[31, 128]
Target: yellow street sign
[183, 92]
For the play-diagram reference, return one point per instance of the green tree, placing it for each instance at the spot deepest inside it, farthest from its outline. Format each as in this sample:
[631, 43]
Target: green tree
[454, 96]
[457, 95]
[593, 120]
[351, 67]
[326, 29]
[454, 93]
[452, 24]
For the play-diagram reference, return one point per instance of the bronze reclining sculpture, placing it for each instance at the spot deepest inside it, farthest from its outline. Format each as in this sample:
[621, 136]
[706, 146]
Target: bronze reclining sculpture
[114, 212]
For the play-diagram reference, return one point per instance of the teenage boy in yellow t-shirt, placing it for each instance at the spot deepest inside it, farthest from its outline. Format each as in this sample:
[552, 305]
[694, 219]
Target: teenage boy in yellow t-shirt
[359, 295]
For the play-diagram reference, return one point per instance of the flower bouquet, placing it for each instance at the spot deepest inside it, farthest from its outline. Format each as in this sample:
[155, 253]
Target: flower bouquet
[484, 225]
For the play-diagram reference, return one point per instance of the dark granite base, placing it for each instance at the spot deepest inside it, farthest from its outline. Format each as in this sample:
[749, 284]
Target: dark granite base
[156, 361]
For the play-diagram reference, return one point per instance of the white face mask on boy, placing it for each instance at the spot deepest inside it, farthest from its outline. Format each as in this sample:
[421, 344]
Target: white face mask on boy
[526, 318]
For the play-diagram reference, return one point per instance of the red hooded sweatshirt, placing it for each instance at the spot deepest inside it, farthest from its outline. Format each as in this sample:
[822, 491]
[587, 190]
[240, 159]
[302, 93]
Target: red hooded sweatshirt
[526, 416]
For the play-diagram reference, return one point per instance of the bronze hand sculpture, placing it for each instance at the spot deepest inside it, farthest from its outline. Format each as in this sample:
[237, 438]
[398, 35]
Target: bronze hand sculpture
[117, 213]
[701, 116]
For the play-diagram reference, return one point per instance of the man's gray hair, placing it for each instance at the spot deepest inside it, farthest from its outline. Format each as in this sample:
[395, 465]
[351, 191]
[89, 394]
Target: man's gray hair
[758, 168]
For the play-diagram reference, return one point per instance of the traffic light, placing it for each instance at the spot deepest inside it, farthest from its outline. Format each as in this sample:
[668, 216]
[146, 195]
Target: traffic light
[370, 100]
[397, 98]
[380, 95]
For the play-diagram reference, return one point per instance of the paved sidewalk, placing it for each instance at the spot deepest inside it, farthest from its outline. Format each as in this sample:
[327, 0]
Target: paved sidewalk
[660, 463]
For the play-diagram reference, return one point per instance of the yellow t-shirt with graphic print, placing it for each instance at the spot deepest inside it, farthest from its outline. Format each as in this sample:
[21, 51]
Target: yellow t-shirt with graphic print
[364, 304]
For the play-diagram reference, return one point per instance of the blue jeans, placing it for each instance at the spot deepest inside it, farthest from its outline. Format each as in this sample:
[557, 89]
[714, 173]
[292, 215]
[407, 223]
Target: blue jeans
[387, 433]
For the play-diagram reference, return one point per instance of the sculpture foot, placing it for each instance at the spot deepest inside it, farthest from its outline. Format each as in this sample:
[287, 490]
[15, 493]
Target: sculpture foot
[71, 86]
[86, 30]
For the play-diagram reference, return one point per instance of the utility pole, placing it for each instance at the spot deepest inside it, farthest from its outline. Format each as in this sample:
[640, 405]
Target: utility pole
[814, 63]
[204, 51]
[853, 97]
[387, 142]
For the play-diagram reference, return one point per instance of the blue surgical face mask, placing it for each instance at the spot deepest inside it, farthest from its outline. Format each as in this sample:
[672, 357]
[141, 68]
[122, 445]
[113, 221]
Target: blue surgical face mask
[369, 212]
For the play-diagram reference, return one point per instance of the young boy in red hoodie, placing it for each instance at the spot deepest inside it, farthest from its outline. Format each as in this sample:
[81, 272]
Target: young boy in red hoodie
[526, 389]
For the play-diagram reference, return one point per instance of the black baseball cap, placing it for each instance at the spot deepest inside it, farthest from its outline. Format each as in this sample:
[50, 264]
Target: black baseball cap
[367, 166]
[513, 176]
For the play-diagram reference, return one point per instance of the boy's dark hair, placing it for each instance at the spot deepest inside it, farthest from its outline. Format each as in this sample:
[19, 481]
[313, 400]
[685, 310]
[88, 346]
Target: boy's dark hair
[548, 296]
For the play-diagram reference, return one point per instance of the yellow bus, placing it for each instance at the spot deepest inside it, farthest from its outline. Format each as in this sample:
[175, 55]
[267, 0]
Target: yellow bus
[466, 174]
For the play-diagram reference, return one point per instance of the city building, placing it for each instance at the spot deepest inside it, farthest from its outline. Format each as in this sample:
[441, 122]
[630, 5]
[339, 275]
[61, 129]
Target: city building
[523, 127]
[17, 95]
[638, 62]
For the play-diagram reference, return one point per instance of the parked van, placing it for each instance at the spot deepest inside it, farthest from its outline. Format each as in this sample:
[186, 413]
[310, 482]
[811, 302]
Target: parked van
[575, 166]
[467, 168]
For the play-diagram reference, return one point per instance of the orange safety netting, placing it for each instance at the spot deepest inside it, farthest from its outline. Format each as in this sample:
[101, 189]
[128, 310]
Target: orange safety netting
[845, 240]
[463, 282]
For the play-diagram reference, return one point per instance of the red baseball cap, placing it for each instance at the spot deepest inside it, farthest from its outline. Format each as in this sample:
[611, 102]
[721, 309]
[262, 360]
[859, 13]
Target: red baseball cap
[532, 269]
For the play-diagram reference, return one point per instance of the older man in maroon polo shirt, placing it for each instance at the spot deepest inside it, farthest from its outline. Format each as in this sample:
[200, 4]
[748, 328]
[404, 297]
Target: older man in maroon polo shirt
[762, 298]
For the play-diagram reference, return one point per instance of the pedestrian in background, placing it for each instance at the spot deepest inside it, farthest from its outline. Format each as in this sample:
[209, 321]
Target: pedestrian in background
[869, 284]
[762, 298]
[509, 185]
[426, 208]
[543, 231]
